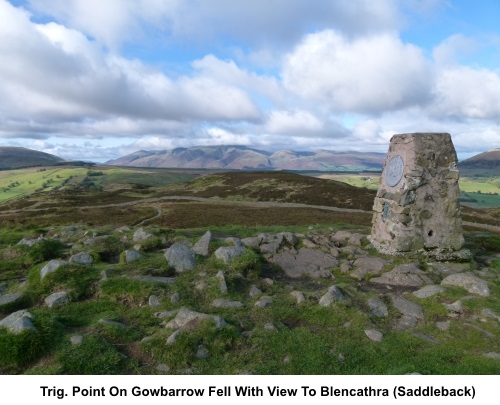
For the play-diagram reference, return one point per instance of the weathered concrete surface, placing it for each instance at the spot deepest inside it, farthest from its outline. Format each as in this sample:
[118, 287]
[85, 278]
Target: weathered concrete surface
[417, 204]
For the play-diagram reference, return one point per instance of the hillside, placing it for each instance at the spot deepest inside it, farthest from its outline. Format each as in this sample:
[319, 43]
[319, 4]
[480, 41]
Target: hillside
[485, 160]
[15, 158]
[242, 157]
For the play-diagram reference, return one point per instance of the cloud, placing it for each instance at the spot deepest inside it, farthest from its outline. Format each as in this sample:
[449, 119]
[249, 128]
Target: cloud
[368, 75]
[55, 74]
[463, 92]
[113, 22]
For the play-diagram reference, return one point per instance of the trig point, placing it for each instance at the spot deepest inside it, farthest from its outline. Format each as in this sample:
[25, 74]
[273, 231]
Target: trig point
[417, 207]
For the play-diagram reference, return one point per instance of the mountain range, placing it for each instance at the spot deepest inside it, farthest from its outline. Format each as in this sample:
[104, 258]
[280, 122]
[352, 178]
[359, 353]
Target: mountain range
[245, 158]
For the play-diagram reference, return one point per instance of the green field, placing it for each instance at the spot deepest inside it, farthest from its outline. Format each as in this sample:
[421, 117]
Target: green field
[23, 182]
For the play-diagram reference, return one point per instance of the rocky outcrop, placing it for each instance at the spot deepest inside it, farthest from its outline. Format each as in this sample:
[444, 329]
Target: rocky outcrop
[305, 262]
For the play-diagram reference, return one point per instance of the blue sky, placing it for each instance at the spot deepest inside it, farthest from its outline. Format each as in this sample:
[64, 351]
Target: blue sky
[94, 80]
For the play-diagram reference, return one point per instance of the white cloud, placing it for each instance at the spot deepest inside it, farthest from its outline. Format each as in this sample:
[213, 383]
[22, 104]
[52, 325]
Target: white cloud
[116, 21]
[371, 74]
[463, 92]
[56, 74]
[453, 48]
[293, 123]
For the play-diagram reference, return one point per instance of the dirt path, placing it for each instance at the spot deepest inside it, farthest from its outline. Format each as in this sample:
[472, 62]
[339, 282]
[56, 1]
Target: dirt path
[158, 214]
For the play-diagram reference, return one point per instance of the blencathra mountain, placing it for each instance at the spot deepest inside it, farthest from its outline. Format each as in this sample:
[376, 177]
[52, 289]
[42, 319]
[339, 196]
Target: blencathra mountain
[242, 157]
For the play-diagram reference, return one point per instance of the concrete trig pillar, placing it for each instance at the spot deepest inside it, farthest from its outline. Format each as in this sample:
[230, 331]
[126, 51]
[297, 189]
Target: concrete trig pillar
[417, 205]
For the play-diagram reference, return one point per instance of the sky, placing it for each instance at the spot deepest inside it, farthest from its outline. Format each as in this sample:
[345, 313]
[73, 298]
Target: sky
[95, 80]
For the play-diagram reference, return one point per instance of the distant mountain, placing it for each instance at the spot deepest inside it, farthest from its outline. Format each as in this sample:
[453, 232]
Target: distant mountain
[485, 160]
[242, 157]
[15, 158]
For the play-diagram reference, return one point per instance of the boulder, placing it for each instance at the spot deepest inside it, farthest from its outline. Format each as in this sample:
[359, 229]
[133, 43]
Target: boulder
[132, 255]
[30, 242]
[187, 316]
[374, 335]
[154, 301]
[202, 246]
[141, 235]
[222, 303]
[181, 257]
[428, 291]
[254, 291]
[9, 298]
[83, 258]
[299, 296]
[18, 322]
[51, 266]
[332, 295]
[56, 299]
[222, 281]
[264, 301]
[232, 240]
[471, 283]
[305, 262]
[228, 253]
[252, 242]
[377, 308]
[367, 265]
[404, 275]
[407, 308]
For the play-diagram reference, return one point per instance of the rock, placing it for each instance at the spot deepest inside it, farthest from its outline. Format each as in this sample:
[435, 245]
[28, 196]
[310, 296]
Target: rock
[173, 337]
[83, 258]
[268, 281]
[308, 262]
[356, 239]
[367, 265]
[454, 307]
[202, 246]
[132, 255]
[252, 242]
[19, 321]
[269, 248]
[181, 257]
[374, 335]
[202, 352]
[404, 275]
[264, 301]
[9, 298]
[76, 340]
[428, 291]
[425, 337]
[154, 301]
[270, 326]
[407, 308]
[222, 303]
[141, 235]
[406, 322]
[254, 291]
[30, 242]
[332, 295]
[377, 308]
[299, 296]
[51, 266]
[488, 313]
[446, 268]
[492, 355]
[94, 239]
[231, 240]
[443, 325]
[228, 253]
[309, 244]
[186, 316]
[289, 237]
[222, 279]
[345, 266]
[56, 299]
[471, 283]
[162, 368]
[265, 238]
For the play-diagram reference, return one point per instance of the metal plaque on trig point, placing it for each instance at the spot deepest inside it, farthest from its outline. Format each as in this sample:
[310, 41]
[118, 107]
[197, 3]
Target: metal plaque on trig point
[394, 171]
